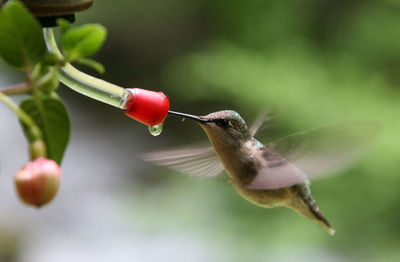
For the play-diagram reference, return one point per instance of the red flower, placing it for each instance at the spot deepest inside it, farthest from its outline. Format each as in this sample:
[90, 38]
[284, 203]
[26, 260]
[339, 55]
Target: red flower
[147, 107]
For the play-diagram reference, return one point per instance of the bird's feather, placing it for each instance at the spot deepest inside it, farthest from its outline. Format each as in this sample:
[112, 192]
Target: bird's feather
[195, 160]
[276, 172]
[259, 123]
[328, 149]
[314, 154]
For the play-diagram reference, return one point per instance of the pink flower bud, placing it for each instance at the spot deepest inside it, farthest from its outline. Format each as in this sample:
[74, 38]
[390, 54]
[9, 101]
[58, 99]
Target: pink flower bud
[37, 182]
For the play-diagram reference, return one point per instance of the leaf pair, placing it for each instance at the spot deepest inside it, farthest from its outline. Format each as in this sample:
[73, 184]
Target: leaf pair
[22, 45]
[80, 42]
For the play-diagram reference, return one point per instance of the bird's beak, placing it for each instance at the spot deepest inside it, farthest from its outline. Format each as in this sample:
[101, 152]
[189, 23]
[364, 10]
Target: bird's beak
[193, 117]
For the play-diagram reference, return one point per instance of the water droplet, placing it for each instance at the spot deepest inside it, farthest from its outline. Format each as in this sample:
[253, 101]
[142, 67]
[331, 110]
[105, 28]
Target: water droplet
[156, 130]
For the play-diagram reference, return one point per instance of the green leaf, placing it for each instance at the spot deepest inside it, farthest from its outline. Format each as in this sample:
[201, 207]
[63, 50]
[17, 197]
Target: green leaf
[82, 41]
[91, 63]
[63, 24]
[50, 59]
[22, 43]
[52, 118]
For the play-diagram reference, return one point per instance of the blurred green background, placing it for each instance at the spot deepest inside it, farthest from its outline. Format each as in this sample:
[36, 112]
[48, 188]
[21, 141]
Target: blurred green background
[309, 62]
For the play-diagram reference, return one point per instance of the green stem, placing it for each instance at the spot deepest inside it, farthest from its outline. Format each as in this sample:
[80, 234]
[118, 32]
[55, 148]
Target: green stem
[18, 111]
[21, 88]
[48, 76]
[85, 84]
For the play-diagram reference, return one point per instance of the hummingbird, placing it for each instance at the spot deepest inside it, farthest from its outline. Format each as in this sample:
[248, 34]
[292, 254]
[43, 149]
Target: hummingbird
[271, 175]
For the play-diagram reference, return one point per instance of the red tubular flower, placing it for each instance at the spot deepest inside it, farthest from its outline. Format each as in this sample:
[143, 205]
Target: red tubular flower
[38, 181]
[148, 107]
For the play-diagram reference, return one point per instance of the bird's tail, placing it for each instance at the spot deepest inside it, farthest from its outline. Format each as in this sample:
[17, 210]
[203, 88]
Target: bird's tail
[305, 204]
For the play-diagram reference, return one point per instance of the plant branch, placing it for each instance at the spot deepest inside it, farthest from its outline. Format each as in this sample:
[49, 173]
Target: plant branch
[48, 76]
[85, 84]
[18, 111]
[20, 88]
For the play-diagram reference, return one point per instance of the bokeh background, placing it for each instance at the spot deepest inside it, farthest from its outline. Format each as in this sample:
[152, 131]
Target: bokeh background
[310, 62]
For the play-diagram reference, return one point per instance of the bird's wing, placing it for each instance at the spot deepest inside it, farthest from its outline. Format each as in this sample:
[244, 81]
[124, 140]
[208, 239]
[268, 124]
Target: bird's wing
[276, 172]
[328, 149]
[196, 161]
[258, 123]
[315, 153]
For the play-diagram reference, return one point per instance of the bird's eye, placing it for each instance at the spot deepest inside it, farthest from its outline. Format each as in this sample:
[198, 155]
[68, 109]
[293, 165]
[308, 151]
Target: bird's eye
[222, 123]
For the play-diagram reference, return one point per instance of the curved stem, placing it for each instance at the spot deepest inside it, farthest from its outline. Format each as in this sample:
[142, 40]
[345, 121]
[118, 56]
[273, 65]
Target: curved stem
[17, 110]
[47, 77]
[85, 84]
[17, 89]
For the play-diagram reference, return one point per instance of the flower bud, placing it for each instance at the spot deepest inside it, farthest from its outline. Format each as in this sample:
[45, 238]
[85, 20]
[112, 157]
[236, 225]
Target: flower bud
[37, 182]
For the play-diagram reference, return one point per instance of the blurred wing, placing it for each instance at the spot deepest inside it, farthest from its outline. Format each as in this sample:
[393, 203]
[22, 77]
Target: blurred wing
[276, 172]
[315, 153]
[195, 161]
[258, 123]
[328, 149]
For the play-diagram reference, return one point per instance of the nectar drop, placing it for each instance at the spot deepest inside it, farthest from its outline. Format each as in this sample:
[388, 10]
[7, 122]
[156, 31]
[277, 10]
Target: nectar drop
[156, 130]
